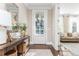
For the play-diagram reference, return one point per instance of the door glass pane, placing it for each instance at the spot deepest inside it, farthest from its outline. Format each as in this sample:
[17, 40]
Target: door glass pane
[39, 23]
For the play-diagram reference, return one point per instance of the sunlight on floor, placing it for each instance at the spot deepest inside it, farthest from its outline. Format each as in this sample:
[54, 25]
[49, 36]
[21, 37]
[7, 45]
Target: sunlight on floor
[70, 49]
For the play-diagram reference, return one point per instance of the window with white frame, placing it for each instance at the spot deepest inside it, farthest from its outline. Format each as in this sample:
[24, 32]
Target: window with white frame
[74, 24]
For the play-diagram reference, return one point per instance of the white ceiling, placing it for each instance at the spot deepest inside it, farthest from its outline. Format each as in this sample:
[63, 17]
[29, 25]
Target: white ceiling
[69, 8]
[39, 5]
[65, 8]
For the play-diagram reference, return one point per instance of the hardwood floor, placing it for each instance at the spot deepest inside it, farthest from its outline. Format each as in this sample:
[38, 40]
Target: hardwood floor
[43, 46]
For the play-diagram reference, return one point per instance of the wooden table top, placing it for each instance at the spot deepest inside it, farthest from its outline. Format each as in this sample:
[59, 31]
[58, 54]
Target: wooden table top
[14, 42]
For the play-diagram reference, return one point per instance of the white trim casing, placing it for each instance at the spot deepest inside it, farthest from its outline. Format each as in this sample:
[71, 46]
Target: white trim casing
[39, 39]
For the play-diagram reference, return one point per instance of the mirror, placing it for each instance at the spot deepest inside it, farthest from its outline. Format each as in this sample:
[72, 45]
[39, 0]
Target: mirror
[13, 9]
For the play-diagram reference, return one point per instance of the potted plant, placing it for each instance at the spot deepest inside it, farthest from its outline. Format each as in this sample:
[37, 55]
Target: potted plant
[15, 27]
[23, 29]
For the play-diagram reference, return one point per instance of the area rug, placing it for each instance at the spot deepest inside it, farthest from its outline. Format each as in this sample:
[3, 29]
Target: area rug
[39, 52]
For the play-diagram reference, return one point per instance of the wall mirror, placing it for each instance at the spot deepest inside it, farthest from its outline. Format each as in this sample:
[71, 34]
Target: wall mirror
[13, 9]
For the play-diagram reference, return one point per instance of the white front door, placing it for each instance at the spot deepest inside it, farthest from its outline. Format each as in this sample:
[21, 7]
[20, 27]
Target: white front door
[39, 26]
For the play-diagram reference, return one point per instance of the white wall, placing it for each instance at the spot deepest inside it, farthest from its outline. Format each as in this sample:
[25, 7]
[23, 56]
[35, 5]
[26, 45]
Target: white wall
[49, 29]
[55, 27]
[22, 16]
[69, 8]
[2, 6]
[61, 24]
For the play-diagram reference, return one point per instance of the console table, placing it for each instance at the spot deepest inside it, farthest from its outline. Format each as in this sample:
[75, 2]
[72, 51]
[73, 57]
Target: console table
[17, 44]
